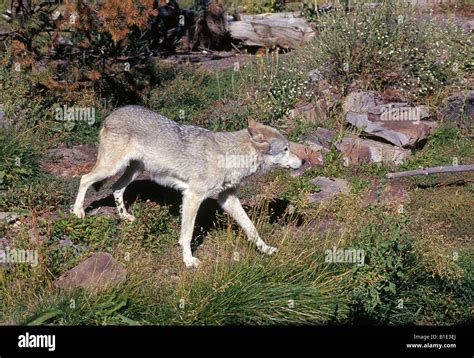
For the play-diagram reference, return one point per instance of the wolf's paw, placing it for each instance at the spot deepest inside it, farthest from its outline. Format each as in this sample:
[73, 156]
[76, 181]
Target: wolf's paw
[128, 217]
[79, 212]
[192, 262]
[269, 250]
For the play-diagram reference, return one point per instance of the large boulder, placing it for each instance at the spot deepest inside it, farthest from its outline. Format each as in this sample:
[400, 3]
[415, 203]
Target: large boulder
[397, 123]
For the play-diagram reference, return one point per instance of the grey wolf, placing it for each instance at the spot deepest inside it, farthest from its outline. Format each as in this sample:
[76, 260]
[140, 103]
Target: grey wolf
[200, 163]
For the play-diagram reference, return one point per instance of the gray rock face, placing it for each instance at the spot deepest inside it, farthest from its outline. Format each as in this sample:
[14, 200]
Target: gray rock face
[330, 187]
[361, 102]
[97, 272]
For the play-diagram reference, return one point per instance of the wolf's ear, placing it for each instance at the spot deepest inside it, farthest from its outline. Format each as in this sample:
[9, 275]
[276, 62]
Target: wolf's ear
[255, 128]
[257, 136]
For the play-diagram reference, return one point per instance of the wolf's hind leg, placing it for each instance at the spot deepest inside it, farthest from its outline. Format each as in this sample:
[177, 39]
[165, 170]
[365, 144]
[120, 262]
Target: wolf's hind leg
[231, 204]
[108, 164]
[131, 173]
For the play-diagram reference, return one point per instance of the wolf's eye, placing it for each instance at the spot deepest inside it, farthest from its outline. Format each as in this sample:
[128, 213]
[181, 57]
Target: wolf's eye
[286, 149]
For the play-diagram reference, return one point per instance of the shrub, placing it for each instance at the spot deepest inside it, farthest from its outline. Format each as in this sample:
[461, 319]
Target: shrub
[388, 46]
[277, 86]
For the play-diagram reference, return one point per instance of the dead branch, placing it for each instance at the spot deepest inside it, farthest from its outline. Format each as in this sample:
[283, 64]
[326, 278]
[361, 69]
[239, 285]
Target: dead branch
[433, 170]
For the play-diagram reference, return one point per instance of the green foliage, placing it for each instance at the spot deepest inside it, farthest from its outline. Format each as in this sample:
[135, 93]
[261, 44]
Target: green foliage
[386, 276]
[443, 147]
[358, 185]
[389, 47]
[256, 6]
[32, 196]
[278, 86]
[184, 94]
[24, 105]
[18, 161]
[393, 286]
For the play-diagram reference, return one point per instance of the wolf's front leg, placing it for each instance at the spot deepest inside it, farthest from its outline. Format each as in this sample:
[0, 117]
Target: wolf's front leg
[231, 204]
[191, 203]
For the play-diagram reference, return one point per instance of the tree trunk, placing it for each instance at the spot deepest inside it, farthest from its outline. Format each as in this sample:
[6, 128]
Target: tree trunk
[285, 30]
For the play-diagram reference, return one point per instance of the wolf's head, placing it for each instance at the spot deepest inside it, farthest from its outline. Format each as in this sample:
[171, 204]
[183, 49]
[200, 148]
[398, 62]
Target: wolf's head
[273, 146]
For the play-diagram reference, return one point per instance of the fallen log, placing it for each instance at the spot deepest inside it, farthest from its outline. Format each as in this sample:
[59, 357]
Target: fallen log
[433, 170]
[285, 30]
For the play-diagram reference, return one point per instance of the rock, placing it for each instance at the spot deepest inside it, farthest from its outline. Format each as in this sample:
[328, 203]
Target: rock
[361, 102]
[303, 152]
[393, 193]
[330, 187]
[8, 218]
[470, 25]
[399, 133]
[97, 272]
[459, 108]
[307, 111]
[314, 112]
[61, 41]
[398, 123]
[357, 150]
[321, 138]
[315, 76]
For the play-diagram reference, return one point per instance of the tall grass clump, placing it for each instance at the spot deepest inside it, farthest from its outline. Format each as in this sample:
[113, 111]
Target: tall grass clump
[18, 161]
[293, 289]
[387, 46]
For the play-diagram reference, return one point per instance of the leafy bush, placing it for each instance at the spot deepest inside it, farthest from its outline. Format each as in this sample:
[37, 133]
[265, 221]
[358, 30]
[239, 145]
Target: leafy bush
[388, 46]
[394, 286]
